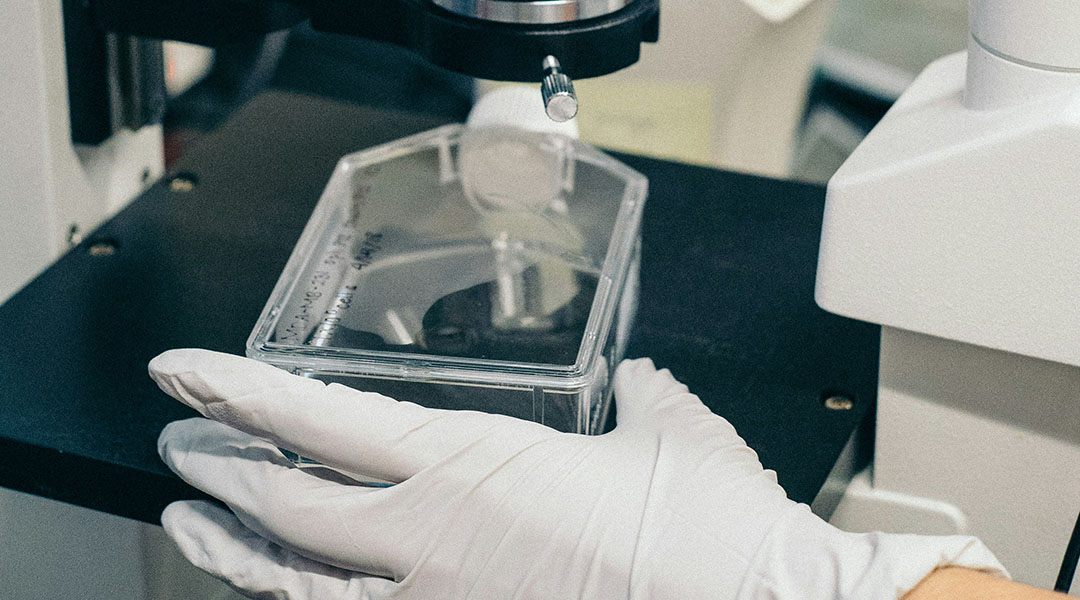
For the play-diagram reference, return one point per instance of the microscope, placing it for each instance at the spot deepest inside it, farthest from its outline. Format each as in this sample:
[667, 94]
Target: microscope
[491, 39]
[82, 112]
[507, 40]
[954, 226]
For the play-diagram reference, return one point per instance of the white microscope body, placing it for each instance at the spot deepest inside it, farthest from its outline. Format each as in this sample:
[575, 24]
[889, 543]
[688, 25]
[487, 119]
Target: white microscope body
[956, 226]
[54, 192]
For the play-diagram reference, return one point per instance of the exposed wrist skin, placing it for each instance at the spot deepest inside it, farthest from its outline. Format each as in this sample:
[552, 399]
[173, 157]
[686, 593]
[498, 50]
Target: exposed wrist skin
[960, 583]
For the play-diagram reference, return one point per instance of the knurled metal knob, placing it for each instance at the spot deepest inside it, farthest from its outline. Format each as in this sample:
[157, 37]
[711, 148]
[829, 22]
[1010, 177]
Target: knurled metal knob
[560, 101]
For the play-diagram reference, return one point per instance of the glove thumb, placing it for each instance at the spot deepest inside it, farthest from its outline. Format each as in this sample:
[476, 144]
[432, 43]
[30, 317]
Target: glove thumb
[646, 396]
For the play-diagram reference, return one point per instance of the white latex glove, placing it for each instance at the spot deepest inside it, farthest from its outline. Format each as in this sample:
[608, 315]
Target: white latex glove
[671, 504]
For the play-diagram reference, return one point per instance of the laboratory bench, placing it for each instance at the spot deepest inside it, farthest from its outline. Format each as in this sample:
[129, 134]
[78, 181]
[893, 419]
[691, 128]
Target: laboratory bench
[726, 302]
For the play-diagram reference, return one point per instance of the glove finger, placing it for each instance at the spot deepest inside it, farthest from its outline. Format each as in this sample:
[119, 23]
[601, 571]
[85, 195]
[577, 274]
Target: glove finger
[641, 390]
[648, 397]
[214, 540]
[322, 519]
[361, 433]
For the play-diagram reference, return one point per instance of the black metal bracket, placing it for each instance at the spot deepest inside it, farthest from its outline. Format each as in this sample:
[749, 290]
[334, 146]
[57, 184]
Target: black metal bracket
[115, 81]
[500, 51]
[486, 49]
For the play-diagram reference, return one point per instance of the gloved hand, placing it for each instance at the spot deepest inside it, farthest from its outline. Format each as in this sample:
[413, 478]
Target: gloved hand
[671, 504]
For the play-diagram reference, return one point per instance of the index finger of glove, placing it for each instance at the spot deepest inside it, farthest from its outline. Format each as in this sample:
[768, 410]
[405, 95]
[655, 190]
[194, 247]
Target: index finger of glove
[360, 433]
[649, 397]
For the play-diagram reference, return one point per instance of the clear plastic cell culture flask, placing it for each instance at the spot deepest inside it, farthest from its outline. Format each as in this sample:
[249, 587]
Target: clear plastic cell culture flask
[489, 269]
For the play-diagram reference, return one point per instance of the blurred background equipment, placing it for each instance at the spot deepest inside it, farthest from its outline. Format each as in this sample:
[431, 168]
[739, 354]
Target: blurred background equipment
[725, 87]
[871, 51]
